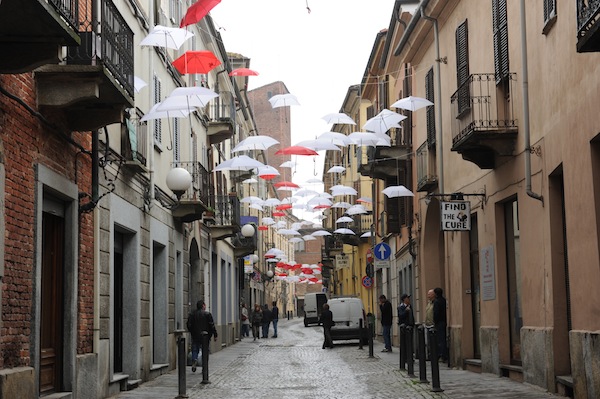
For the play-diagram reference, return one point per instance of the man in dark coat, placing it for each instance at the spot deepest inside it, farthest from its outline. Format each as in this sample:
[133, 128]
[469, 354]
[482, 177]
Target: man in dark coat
[267, 317]
[440, 323]
[386, 322]
[405, 315]
[201, 325]
[275, 318]
[326, 320]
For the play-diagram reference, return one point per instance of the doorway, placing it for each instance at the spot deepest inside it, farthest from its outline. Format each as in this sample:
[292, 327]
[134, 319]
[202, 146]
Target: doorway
[475, 285]
[513, 269]
[118, 304]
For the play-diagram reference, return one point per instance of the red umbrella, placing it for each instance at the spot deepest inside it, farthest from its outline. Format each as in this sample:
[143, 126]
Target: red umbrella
[286, 184]
[201, 61]
[243, 72]
[263, 228]
[197, 11]
[283, 207]
[278, 214]
[296, 150]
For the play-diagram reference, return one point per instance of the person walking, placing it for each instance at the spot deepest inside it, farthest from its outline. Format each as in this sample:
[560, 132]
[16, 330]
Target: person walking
[256, 321]
[326, 320]
[275, 318]
[245, 321]
[386, 322]
[201, 325]
[266, 320]
[440, 323]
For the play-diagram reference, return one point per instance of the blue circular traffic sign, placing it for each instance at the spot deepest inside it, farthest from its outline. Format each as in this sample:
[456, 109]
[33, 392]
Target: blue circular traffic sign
[382, 251]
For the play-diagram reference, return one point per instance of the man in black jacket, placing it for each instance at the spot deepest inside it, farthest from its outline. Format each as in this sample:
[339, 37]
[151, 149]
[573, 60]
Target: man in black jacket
[267, 316]
[201, 325]
[386, 322]
[326, 320]
[440, 323]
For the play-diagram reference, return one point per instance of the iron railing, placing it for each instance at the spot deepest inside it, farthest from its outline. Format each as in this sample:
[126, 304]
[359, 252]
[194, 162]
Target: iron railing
[69, 10]
[111, 45]
[481, 105]
[588, 14]
[201, 182]
[227, 209]
[222, 108]
[425, 174]
[362, 223]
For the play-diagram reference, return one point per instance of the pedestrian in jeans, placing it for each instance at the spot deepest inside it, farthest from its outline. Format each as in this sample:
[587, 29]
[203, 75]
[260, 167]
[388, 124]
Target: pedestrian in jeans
[275, 318]
[326, 320]
[266, 321]
[386, 321]
[256, 321]
[245, 321]
[201, 325]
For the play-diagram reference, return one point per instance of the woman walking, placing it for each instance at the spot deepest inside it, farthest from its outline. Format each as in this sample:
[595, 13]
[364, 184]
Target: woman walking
[256, 321]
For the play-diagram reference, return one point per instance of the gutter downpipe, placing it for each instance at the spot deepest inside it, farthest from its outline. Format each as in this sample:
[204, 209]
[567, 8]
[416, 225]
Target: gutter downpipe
[525, 86]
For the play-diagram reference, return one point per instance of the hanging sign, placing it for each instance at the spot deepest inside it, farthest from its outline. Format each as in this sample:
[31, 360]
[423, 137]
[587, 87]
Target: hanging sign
[248, 268]
[455, 215]
[342, 261]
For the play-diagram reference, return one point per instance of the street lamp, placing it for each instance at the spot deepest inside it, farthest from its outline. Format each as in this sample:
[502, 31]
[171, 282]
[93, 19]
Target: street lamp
[254, 258]
[270, 274]
[248, 230]
[178, 181]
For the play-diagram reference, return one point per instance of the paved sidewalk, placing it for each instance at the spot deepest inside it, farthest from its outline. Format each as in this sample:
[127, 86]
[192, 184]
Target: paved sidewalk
[381, 370]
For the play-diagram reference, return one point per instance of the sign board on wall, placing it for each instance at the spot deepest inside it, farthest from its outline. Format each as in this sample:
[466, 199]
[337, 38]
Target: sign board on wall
[248, 264]
[487, 274]
[455, 215]
[342, 261]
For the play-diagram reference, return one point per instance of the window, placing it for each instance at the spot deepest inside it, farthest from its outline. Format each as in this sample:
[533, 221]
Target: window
[430, 116]
[157, 99]
[549, 15]
[500, 27]
[462, 67]
[176, 142]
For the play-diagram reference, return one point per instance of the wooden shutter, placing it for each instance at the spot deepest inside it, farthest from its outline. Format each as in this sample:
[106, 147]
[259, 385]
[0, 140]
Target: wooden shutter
[176, 141]
[157, 99]
[549, 9]
[462, 67]
[430, 95]
[500, 26]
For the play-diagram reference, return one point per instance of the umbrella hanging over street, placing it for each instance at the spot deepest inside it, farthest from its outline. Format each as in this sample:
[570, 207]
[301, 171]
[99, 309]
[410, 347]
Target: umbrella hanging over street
[258, 143]
[397, 191]
[345, 219]
[243, 72]
[197, 11]
[288, 184]
[199, 93]
[283, 100]
[155, 113]
[163, 36]
[201, 61]
[267, 172]
[367, 139]
[344, 231]
[339, 118]
[319, 145]
[242, 162]
[138, 84]
[296, 150]
[384, 121]
[336, 169]
[336, 138]
[320, 233]
[411, 103]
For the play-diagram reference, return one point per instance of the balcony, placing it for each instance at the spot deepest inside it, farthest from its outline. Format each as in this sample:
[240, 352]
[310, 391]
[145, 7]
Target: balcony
[134, 144]
[427, 179]
[226, 218]
[32, 32]
[484, 129]
[95, 85]
[588, 24]
[333, 246]
[196, 200]
[221, 118]
[386, 162]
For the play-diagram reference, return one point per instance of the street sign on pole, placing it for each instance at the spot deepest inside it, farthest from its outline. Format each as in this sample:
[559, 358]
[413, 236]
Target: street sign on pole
[367, 282]
[382, 251]
[369, 256]
[382, 264]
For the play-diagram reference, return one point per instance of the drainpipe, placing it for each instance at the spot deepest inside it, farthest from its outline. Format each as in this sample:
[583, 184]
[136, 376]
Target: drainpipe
[150, 144]
[525, 86]
[438, 108]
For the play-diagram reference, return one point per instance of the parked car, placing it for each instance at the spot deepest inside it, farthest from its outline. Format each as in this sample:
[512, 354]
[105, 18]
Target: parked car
[347, 315]
[313, 306]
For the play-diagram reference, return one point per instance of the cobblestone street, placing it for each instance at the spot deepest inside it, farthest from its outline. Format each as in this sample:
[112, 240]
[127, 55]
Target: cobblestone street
[295, 366]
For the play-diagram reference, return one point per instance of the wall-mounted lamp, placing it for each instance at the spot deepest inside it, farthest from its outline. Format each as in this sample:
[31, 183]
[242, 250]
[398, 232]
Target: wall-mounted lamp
[247, 230]
[178, 181]
[270, 274]
[254, 258]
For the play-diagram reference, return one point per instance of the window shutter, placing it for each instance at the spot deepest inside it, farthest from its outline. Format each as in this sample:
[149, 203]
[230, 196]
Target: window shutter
[430, 95]
[549, 9]
[176, 141]
[462, 66]
[500, 26]
[157, 99]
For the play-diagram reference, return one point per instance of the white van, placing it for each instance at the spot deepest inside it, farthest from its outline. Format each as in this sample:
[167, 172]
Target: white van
[313, 306]
[347, 315]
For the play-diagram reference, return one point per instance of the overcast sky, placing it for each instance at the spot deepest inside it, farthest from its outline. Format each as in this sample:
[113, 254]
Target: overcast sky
[318, 55]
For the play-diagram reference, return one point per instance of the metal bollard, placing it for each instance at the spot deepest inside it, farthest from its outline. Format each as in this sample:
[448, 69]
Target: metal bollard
[360, 328]
[422, 355]
[288, 314]
[402, 347]
[205, 349]
[435, 366]
[409, 352]
[371, 333]
[181, 364]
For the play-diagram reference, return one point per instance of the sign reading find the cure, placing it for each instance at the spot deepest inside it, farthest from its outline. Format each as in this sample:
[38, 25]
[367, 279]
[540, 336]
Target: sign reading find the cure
[455, 215]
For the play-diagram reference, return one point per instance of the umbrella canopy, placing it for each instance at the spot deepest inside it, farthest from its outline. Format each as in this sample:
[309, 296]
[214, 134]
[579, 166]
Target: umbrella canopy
[343, 190]
[383, 121]
[339, 118]
[180, 102]
[320, 233]
[201, 61]
[283, 207]
[319, 145]
[308, 237]
[267, 221]
[411, 103]
[288, 164]
[242, 162]
[288, 232]
[243, 72]
[342, 204]
[255, 143]
[296, 150]
[397, 191]
[296, 239]
[283, 100]
[163, 36]
[366, 200]
[345, 219]
[197, 11]
[286, 184]
[272, 201]
[365, 235]
[267, 172]
[252, 200]
[356, 210]
[202, 94]
[154, 113]
[305, 192]
[138, 84]
[366, 139]
[336, 138]
[344, 231]
[250, 181]
[336, 169]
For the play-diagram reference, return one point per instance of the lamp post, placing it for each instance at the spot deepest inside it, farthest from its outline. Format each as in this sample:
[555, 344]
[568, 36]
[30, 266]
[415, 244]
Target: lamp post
[178, 181]
[248, 230]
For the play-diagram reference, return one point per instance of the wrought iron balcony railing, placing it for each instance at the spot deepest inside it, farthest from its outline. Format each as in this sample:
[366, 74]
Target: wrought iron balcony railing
[588, 24]
[68, 9]
[426, 175]
[201, 188]
[227, 209]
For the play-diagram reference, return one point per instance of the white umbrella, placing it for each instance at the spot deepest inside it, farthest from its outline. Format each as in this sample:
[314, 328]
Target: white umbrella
[163, 36]
[255, 143]
[364, 235]
[256, 206]
[383, 121]
[280, 225]
[181, 102]
[344, 231]
[296, 239]
[339, 118]
[397, 191]
[199, 93]
[252, 200]
[319, 201]
[272, 202]
[343, 190]
[342, 204]
[288, 164]
[314, 181]
[336, 138]
[308, 237]
[411, 103]
[242, 162]
[154, 113]
[356, 210]
[250, 181]
[336, 169]
[319, 145]
[344, 219]
[267, 171]
[267, 221]
[305, 192]
[364, 138]
[288, 232]
[138, 84]
[365, 199]
[283, 100]
[320, 233]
